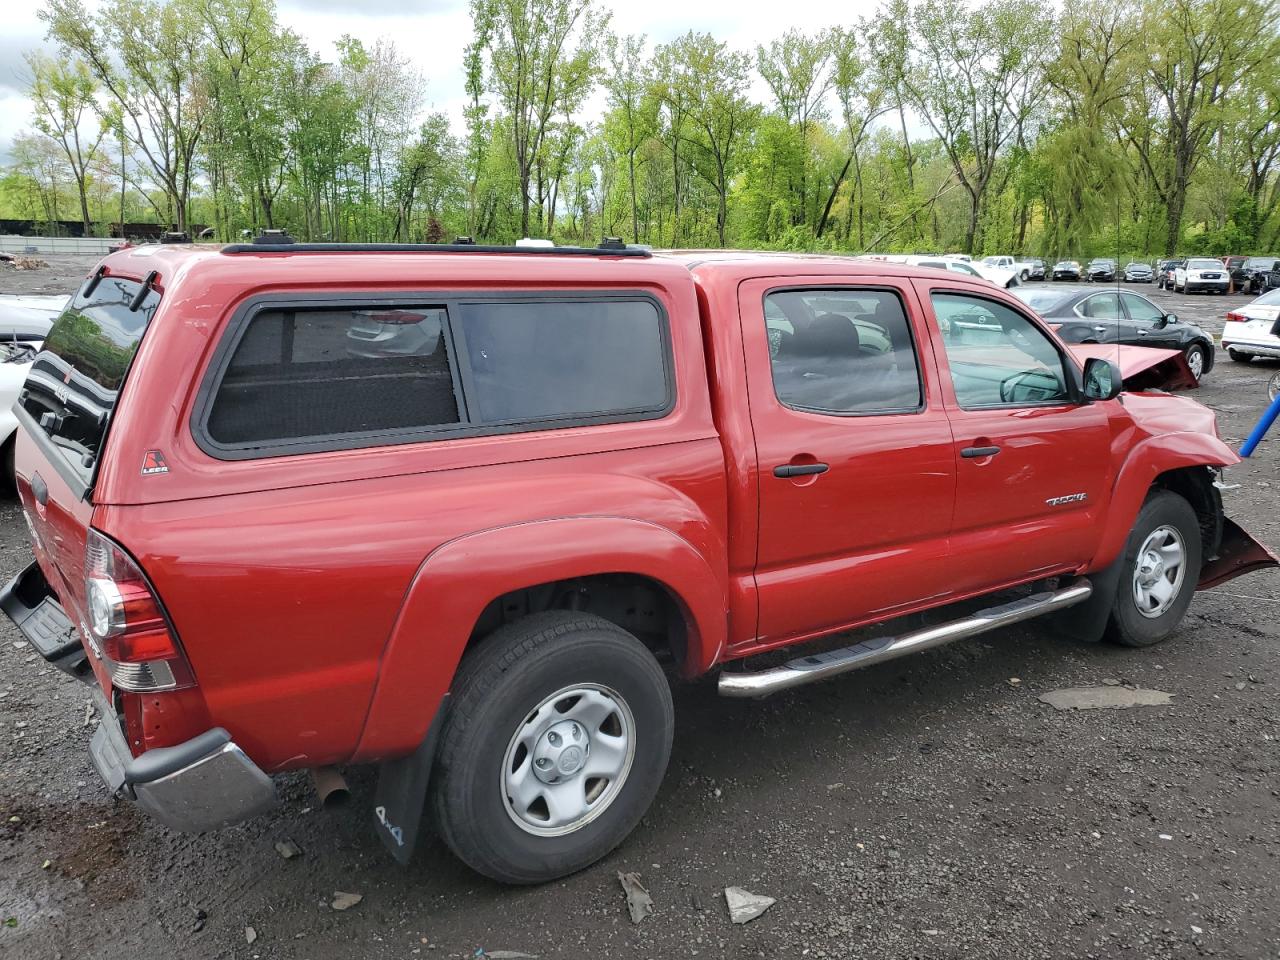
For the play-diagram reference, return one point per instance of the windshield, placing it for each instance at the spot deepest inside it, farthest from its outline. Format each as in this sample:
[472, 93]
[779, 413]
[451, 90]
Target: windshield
[1269, 298]
[1039, 299]
[74, 381]
[1204, 264]
[1260, 263]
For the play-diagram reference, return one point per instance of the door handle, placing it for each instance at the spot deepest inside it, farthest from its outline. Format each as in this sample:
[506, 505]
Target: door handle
[973, 453]
[799, 469]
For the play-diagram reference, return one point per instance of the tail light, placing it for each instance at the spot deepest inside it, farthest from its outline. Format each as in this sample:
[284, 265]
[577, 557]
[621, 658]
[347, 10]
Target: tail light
[395, 316]
[128, 627]
[1233, 317]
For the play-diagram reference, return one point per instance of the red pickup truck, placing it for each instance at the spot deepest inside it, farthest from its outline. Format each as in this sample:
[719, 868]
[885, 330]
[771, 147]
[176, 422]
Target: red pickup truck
[462, 511]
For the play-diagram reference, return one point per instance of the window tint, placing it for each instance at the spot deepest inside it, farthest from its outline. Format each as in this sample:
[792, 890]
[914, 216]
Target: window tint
[317, 373]
[842, 351]
[546, 359]
[1141, 309]
[1102, 306]
[997, 356]
[72, 386]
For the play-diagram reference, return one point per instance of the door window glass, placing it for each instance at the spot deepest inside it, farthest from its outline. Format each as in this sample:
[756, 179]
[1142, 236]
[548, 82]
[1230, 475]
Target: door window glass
[1141, 309]
[842, 351]
[997, 356]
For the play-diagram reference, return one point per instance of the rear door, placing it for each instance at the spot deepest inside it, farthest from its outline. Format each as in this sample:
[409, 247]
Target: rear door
[1033, 464]
[854, 467]
[64, 410]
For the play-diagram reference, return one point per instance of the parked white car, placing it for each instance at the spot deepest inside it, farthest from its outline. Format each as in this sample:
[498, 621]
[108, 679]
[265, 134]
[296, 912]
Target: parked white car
[1000, 276]
[24, 323]
[1251, 330]
[1003, 263]
[1201, 273]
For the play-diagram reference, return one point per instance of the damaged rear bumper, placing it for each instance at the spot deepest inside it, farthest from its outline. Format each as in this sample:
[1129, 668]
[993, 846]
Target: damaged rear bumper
[205, 783]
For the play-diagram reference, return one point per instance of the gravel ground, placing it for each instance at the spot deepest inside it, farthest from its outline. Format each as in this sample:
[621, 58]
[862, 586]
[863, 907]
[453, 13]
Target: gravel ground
[930, 807]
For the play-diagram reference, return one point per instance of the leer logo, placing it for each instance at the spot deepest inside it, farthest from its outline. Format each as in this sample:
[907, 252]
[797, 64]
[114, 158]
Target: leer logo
[154, 462]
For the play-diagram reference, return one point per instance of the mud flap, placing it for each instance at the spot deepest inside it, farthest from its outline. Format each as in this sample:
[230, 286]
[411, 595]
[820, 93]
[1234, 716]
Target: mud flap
[1087, 621]
[1238, 554]
[400, 800]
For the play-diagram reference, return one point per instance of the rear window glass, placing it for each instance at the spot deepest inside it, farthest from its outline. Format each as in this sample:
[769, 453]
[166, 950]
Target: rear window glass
[72, 386]
[316, 373]
[546, 360]
[352, 376]
[1040, 299]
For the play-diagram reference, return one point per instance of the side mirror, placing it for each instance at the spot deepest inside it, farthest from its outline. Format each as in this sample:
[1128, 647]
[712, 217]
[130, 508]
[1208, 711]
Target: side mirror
[1102, 380]
[1169, 318]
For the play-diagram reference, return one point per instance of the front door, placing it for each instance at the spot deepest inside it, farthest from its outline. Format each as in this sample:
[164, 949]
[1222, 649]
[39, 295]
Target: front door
[1149, 322]
[854, 462]
[1033, 463]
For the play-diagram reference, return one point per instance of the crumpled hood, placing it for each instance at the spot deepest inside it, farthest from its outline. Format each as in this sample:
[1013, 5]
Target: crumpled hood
[1142, 368]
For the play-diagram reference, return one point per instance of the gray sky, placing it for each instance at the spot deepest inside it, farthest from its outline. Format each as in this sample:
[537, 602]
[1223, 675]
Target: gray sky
[432, 33]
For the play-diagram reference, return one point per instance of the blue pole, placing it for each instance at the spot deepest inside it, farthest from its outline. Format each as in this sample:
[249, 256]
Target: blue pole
[1268, 418]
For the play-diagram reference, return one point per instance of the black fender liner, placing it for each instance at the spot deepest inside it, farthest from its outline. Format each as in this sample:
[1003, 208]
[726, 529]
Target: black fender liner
[400, 799]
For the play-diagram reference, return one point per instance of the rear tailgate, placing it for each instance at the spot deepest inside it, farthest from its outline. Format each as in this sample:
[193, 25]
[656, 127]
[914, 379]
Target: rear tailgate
[64, 413]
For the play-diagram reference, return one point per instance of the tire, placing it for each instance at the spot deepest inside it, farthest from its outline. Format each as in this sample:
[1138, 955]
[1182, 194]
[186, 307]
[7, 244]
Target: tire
[1239, 357]
[1164, 515]
[1192, 353]
[517, 682]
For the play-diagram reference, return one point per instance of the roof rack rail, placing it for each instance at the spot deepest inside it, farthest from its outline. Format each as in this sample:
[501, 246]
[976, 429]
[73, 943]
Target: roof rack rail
[265, 245]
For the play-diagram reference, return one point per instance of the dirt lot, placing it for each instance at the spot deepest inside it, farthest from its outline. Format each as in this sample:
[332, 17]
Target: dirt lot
[931, 807]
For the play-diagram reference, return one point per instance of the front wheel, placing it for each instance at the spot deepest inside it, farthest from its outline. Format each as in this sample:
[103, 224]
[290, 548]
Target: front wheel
[1195, 360]
[1158, 577]
[556, 741]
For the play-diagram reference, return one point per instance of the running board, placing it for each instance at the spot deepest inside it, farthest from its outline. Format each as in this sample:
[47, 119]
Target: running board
[819, 666]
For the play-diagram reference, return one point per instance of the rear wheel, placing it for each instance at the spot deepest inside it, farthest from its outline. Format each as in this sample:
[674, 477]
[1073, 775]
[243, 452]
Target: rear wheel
[1158, 578]
[556, 741]
[1237, 356]
[1195, 360]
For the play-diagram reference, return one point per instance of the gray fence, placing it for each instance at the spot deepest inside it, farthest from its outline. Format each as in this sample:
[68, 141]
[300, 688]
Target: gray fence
[88, 246]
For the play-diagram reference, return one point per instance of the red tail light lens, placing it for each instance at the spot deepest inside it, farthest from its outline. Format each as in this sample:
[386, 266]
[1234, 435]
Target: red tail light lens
[1236, 317]
[127, 625]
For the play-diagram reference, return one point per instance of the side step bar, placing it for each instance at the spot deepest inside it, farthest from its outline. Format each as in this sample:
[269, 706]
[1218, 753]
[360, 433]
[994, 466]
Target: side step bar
[819, 666]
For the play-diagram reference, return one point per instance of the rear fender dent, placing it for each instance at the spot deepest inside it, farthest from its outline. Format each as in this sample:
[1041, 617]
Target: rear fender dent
[460, 578]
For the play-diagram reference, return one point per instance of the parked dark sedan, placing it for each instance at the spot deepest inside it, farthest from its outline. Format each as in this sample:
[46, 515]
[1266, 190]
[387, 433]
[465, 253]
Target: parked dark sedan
[1118, 316]
[1066, 270]
[1101, 270]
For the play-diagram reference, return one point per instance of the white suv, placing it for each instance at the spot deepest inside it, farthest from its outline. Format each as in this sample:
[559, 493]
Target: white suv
[1201, 273]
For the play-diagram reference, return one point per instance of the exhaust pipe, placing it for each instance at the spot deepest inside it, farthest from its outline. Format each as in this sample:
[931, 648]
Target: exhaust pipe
[330, 786]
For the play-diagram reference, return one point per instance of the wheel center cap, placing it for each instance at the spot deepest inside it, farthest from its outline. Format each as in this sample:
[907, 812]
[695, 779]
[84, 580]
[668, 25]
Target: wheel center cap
[561, 751]
[570, 762]
[1151, 570]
